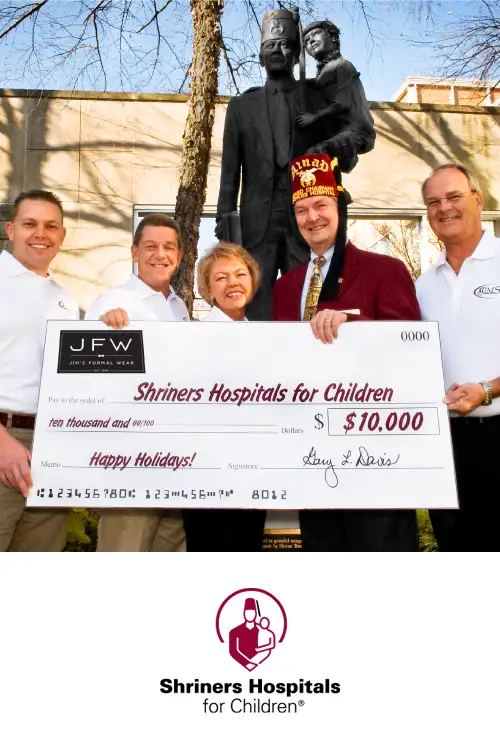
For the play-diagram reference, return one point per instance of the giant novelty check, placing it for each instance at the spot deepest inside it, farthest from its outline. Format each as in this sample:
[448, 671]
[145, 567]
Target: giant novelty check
[259, 415]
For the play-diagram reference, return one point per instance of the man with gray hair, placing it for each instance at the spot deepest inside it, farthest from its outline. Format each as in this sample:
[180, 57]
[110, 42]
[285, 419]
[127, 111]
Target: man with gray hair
[462, 292]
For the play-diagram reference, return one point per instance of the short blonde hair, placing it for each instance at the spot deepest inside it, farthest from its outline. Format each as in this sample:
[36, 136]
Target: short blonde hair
[225, 250]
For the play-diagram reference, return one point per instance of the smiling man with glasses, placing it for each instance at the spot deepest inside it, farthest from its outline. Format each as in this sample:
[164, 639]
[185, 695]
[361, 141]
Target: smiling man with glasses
[432, 204]
[462, 292]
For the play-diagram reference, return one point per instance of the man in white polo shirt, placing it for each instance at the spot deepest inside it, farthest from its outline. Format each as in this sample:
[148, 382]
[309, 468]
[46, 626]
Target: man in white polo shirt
[29, 297]
[147, 296]
[462, 292]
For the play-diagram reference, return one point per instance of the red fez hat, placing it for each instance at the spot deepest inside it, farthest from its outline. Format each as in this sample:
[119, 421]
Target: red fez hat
[250, 604]
[313, 174]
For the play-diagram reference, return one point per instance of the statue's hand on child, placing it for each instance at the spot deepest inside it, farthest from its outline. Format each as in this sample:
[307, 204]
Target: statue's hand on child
[305, 119]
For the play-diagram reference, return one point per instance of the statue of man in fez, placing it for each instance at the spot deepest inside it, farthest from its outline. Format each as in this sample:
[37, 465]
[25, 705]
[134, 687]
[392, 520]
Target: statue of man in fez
[343, 125]
[256, 151]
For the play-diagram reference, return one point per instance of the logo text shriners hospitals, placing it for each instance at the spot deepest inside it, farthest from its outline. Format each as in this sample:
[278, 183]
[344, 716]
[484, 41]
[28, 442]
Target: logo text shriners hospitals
[252, 624]
[250, 705]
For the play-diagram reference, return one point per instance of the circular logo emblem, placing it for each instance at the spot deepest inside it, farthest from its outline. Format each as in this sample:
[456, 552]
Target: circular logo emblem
[487, 291]
[307, 179]
[276, 29]
[252, 622]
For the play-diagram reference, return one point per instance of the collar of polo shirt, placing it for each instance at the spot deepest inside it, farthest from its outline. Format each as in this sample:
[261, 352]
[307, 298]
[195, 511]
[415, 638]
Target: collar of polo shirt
[143, 291]
[485, 249]
[217, 316]
[12, 267]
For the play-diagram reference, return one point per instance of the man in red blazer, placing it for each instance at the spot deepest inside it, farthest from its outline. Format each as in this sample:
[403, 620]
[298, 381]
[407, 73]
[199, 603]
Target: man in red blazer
[341, 283]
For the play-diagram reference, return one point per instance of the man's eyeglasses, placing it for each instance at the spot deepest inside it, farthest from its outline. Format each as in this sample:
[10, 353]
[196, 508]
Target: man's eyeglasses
[452, 198]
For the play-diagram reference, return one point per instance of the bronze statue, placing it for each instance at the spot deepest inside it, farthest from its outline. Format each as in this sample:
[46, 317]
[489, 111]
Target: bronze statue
[267, 125]
[345, 118]
[257, 143]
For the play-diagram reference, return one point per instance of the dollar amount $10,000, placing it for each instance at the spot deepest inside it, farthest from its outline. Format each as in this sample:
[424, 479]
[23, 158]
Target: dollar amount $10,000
[376, 422]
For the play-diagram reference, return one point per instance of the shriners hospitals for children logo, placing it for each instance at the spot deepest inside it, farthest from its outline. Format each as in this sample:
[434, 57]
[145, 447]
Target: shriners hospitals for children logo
[252, 623]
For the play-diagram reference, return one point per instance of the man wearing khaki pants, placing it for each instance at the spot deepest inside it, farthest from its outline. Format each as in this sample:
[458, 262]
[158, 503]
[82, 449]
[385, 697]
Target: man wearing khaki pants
[157, 251]
[29, 297]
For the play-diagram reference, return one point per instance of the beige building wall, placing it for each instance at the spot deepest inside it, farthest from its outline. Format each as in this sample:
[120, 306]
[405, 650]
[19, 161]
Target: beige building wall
[106, 155]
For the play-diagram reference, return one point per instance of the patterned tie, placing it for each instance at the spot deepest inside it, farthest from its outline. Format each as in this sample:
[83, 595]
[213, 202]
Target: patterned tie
[314, 290]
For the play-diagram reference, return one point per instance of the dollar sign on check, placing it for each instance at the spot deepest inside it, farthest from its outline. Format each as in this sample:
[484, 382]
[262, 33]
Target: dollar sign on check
[319, 421]
[349, 422]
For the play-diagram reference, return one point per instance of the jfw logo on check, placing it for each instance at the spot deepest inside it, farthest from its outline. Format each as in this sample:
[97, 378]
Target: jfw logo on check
[101, 351]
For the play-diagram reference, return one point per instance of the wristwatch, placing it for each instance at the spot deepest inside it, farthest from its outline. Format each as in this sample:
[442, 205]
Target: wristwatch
[488, 393]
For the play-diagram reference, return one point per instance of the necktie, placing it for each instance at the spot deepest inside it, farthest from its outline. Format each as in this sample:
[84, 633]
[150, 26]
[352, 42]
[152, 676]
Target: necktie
[281, 128]
[314, 290]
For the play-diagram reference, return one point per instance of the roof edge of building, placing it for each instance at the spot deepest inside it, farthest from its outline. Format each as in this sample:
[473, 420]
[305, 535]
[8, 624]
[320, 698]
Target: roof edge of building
[42, 94]
[443, 82]
[97, 95]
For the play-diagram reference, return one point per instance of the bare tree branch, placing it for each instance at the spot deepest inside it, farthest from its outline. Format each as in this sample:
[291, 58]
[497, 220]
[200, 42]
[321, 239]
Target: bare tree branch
[251, 7]
[94, 11]
[229, 65]
[30, 12]
[401, 239]
[184, 81]
[468, 46]
[98, 47]
[155, 16]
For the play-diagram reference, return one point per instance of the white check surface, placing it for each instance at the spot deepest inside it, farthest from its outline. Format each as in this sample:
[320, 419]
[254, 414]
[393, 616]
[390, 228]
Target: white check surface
[356, 424]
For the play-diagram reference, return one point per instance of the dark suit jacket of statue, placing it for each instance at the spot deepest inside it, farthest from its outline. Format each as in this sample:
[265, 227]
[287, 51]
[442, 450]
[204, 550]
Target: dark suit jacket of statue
[379, 286]
[248, 158]
[248, 155]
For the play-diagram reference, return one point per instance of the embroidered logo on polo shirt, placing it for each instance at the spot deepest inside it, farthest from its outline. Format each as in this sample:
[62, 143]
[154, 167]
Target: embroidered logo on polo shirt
[64, 307]
[486, 291]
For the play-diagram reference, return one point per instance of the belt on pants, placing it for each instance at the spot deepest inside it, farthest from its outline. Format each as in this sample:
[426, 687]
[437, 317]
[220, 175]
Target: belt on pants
[17, 421]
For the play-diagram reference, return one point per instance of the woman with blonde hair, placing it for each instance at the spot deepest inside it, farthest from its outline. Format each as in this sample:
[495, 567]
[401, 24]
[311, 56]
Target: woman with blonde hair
[228, 278]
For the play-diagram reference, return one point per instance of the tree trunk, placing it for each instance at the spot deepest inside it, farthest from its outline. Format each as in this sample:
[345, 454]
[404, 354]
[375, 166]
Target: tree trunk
[197, 136]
